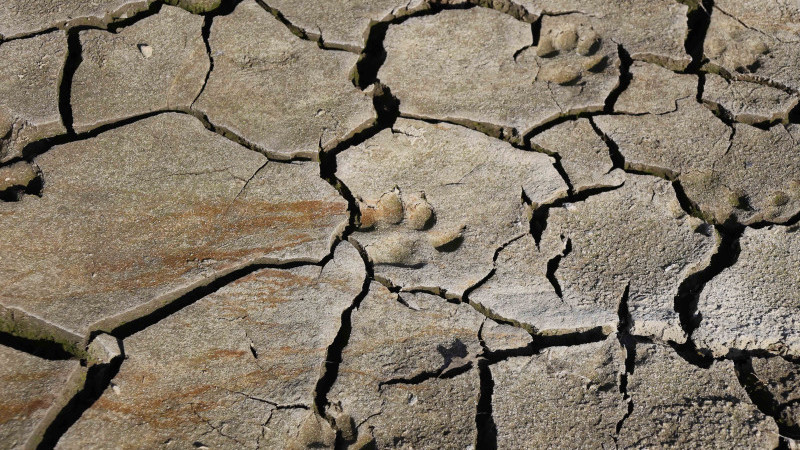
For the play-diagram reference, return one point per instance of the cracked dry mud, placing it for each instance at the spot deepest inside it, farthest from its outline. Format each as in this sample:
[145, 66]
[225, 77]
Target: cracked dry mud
[456, 224]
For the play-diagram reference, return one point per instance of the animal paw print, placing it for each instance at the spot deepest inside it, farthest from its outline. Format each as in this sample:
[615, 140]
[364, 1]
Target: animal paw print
[739, 50]
[408, 225]
[569, 52]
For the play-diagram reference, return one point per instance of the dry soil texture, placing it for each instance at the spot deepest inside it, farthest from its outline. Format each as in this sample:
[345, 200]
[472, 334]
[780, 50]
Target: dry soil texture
[409, 224]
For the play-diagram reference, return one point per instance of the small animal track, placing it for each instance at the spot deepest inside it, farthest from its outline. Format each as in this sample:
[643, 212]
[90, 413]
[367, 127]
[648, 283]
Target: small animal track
[569, 53]
[411, 222]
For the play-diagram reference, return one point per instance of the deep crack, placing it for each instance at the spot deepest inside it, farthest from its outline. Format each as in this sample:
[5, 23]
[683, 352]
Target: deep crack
[98, 379]
[698, 20]
[688, 295]
[628, 343]
[552, 266]
[760, 395]
[333, 357]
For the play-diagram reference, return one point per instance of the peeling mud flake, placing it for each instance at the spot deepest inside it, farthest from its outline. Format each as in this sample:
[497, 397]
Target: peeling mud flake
[24, 17]
[584, 155]
[499, 337]
[757, 180]
[396, 380]
[655, 90]
[565, 397]
[650, 30]
[235, 369]
[137, 216]
[285, 95]
[636, 237]
[739, 173]
[29, 83]
[754, 304]
[520, 291]
[32, 392]
[472, 187]
[756, 40]
[690, 138]
[155, 64]
[344, 24]
[478, 68]
[680, 405]
[17, 175]
[748, 102]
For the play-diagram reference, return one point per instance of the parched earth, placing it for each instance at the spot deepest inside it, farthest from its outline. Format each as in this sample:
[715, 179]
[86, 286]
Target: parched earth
[412, 224]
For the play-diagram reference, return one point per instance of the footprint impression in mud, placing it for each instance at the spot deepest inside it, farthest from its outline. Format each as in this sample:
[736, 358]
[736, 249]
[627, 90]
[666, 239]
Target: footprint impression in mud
[740, 51]
[414, 231]
[568, 53]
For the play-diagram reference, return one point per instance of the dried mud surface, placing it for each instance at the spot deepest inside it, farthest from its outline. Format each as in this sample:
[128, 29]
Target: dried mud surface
[450, 224]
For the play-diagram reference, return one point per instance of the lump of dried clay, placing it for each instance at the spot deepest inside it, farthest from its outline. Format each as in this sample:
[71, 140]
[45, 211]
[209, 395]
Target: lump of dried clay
[413, 387]
[635, 240]
[29, 81]
[477, 67]
[583, 154]
[473, 186]
[754, 304]
[681, 405]
[649, 30]
[157, 63]
[283, 94]
[756, 40]
[24, 17]
[103, 349]
[655, 90]
[564, 397]
[747, 102]
[32, 392]
[137, 216]
[757, 180]
[235, 369]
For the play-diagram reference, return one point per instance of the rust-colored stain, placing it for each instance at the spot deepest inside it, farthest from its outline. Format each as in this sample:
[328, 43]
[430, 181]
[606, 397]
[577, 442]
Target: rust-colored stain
[226, 353]
[106, 257]
[23, 377]
[11, 410]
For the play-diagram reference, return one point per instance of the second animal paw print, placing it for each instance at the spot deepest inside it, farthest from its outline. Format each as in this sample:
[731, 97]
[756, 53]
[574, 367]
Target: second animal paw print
[569, 51]
[406, 228]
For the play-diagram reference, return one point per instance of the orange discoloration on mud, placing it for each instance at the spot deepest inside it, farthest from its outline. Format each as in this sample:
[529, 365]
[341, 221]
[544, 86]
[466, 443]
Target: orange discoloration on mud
[226, 353]
[146, 406]
[25, 377]
[10, 410]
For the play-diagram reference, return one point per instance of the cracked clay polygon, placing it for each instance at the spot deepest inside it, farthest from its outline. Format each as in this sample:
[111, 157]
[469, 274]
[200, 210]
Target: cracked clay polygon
[221, 370]
[137, 216]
